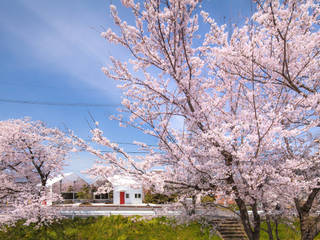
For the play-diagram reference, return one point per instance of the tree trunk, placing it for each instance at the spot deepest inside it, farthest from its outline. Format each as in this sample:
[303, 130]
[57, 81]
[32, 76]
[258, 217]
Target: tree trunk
[256, 222]
[269, 230]
[309, 227]
[252, 233]
[193, 210]
[277, 228]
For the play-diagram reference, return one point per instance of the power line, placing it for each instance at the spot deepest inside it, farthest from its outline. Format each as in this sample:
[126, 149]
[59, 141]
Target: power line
[103, 151]
[130, 152]
[37, 85]
[58, 103]
[124, 143]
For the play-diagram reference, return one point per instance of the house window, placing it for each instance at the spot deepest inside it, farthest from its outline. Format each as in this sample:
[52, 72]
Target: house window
[102, 196]
[127, 195]
[137, 195]
[105, 196]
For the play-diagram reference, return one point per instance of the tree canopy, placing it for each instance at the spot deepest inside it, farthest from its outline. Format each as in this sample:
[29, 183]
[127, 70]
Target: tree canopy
[248, 104]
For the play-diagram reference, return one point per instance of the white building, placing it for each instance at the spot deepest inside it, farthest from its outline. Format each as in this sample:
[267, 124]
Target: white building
[126, 190]
[67, 185]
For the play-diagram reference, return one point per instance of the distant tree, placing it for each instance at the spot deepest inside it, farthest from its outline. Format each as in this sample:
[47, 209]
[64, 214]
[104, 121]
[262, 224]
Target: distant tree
[85, 192]
[30, 154]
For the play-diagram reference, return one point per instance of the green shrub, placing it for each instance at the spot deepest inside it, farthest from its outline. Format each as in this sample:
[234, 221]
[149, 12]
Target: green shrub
[208, 199]
[158, 198]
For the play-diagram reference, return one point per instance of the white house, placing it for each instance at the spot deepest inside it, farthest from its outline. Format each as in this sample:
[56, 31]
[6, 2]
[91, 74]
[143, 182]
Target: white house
[67, 185]
[126, 190]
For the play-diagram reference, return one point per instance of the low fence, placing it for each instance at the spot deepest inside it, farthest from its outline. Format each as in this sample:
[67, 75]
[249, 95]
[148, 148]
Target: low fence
[106, 201]
[85, 211]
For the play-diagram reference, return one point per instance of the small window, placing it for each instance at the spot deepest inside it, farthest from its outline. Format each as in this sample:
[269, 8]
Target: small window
[137, 195]
[127, 195]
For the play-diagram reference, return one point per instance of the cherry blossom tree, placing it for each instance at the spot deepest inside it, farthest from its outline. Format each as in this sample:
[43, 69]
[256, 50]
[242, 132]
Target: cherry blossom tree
[30, 154]
[281, 50]
[247, 104]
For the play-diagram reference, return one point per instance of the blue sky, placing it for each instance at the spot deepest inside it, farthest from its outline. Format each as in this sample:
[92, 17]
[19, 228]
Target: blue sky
[51, 51]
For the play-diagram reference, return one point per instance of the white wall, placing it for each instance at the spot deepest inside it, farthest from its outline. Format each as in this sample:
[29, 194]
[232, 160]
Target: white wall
[127, 190]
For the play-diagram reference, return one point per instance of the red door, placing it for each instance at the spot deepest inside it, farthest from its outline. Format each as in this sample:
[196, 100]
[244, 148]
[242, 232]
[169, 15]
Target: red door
[121, 197]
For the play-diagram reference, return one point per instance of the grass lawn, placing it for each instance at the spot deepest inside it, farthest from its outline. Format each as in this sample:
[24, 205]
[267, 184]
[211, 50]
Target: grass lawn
[285, 232]
[126, 228]
[114, 227]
